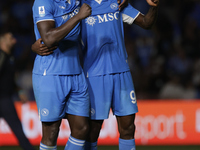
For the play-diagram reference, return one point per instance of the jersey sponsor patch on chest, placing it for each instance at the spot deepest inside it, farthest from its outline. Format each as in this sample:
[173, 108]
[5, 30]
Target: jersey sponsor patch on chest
[91, 20]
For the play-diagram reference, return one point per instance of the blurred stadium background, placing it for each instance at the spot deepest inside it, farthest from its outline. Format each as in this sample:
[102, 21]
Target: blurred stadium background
[164, 61]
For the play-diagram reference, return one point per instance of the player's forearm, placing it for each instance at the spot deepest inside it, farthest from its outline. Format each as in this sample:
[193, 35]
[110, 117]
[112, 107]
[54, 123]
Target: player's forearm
[150, 18]
[54, 35]
[51, 35]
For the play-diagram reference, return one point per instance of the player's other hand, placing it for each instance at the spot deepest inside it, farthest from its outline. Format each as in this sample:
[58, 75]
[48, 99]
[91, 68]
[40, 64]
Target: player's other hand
[122, 4]
[84, 11]
[153, 3]
[42, 49]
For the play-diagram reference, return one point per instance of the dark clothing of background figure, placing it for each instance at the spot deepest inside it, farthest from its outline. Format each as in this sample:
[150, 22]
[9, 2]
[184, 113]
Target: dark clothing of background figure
[7, 108]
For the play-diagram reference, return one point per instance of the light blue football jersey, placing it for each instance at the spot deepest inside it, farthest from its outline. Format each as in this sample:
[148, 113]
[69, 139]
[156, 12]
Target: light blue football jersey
[103, 37]
[65, 59]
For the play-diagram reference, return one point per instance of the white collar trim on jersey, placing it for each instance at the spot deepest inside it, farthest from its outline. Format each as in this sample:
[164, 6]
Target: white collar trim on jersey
[98, 1]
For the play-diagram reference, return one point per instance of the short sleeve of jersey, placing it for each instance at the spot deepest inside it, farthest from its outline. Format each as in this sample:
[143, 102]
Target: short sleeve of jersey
[129, 14]
[43, 10]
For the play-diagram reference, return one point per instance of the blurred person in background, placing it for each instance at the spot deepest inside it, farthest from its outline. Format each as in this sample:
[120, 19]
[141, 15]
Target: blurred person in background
[8, 87]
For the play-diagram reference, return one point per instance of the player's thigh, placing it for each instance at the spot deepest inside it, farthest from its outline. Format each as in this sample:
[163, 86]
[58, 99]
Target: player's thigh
[50, 94]
[78, 99]
[100, 91]
[124, 97]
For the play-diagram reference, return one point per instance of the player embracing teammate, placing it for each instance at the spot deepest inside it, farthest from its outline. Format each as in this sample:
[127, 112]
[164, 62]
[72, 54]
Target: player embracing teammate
[106, 68]
[59, 83]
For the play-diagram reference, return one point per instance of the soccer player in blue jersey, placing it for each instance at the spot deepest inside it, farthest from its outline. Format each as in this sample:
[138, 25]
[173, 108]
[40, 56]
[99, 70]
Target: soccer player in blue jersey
[106, 67]
[59, 83]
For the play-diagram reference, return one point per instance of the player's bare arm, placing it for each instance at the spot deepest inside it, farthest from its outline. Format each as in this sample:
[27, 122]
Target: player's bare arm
[51, 35]
[148, 20]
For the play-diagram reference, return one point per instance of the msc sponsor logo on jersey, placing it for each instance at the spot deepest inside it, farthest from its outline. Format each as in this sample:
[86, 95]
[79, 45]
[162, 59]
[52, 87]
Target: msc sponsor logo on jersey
[90, 20]
[41, 11]
[133, 97]
[114, 6]
[102, 18]
[70, 15]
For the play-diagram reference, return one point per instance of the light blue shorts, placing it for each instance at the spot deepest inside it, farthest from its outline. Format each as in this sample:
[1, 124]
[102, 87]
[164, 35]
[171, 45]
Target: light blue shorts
[115, 91]
[57, 95]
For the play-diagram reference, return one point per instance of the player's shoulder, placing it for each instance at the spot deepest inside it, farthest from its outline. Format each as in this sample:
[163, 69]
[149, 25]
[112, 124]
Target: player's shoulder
[48, 4]
[43, 2]
[47, 1]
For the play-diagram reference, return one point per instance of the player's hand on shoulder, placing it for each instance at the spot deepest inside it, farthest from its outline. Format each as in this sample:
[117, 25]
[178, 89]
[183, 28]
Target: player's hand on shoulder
[84, 11]
[122, 3]
[42, 49]
[153, 3]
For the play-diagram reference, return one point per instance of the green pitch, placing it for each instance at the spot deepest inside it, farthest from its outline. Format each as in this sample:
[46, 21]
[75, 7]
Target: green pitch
[116, 148]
